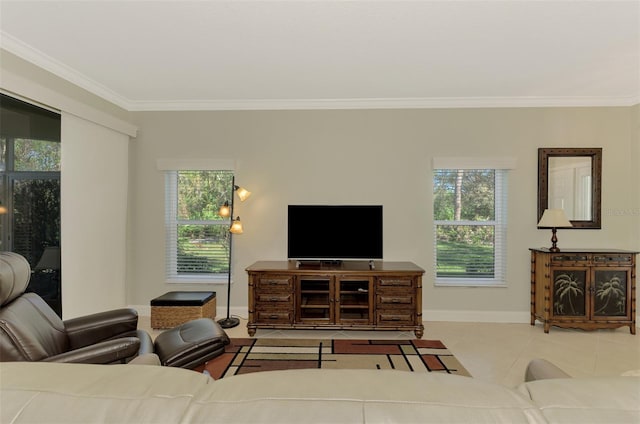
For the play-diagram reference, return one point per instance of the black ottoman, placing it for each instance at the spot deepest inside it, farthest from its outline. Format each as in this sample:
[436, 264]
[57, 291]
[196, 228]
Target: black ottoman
[191, 344]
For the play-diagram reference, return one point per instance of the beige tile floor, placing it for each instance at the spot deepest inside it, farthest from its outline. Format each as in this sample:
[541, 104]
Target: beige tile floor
[499, 352]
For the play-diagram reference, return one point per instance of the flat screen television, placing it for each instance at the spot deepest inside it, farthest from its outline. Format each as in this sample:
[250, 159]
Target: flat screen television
[334, 233]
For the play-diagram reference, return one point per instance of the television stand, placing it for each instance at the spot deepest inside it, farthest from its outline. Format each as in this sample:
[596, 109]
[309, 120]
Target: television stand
[323, 263]
[327, 263]
[349, 295]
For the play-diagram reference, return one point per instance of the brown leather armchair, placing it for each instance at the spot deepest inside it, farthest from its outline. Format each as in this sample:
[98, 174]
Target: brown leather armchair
[31, 331]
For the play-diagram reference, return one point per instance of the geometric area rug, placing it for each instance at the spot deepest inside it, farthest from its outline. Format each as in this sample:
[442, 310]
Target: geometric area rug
[244, 355]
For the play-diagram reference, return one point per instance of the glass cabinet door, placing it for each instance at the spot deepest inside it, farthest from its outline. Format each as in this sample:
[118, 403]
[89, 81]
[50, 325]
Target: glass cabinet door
[354, 300]
[610, 297]
[315, 299]
[569, 292]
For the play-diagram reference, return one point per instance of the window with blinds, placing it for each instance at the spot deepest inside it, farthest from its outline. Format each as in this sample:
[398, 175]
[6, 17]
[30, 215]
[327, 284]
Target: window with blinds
[470, 210]
[197, 237]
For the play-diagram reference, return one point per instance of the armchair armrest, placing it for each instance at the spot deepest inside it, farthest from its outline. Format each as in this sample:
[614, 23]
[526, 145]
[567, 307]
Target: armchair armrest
[100, 353]
[146, 342]
[541, 369]
[91, 329]
[146, 359]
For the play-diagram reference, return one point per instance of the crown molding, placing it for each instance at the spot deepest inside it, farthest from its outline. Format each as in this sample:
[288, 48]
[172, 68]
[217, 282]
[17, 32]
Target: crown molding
[18, 86]
[386, 103]
[38, 58]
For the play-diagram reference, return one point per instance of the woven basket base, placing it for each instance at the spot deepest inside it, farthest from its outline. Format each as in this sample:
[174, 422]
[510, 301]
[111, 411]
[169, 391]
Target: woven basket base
[171, 316]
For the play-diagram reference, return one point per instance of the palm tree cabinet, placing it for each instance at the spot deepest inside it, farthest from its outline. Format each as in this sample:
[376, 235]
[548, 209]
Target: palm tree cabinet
[583, 288]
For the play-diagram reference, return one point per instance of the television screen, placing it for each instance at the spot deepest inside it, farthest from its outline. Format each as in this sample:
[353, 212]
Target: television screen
[323, 232]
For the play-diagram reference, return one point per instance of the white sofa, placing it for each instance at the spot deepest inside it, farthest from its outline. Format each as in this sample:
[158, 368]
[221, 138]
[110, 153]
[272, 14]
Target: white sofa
[53, 392]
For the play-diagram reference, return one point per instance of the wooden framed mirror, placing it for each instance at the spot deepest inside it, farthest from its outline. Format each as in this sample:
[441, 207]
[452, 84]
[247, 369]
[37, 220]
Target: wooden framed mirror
[570, 179]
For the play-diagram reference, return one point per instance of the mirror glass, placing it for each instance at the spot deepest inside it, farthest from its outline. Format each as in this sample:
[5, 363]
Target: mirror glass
[570, 186]
[570, 179]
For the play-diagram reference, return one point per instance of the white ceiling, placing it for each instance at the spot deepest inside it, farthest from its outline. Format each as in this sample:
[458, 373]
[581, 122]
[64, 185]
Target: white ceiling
[186, 55]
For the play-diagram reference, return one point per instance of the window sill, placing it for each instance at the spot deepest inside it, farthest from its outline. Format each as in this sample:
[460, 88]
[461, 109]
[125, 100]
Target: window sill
[469, 283]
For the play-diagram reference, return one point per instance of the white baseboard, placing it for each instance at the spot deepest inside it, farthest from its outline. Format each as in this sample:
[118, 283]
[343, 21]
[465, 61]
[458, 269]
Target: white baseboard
[477, 316]
[481, 316]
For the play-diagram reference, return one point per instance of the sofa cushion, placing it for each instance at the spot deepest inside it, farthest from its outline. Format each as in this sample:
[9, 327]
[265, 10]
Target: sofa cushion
[586, 400]
[349, 396]
[39, 392]
[34, 392]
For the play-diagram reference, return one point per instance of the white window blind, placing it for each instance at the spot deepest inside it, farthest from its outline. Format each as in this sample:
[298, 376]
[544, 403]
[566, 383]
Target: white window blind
[470, 225]
[197, 238]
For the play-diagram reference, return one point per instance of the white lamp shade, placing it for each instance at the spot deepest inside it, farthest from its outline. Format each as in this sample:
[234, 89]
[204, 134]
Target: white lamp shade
[554, 218]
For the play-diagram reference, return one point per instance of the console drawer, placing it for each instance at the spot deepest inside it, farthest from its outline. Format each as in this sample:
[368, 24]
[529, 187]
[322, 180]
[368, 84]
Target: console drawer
[587, 259]
[274, 317]
[570, 259]
[393, 299]
[391, 282]
[391, 317]
[270, 298]
[274, 283]
[612, 259]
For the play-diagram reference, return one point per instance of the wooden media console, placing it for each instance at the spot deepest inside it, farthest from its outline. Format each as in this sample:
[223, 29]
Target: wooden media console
[350, 295]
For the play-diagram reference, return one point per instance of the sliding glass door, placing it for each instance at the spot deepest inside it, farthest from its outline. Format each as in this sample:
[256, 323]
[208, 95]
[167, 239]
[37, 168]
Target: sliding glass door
[30, 193]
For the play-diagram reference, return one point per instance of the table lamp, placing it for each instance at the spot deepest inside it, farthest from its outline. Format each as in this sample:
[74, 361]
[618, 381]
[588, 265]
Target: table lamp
[554, 219]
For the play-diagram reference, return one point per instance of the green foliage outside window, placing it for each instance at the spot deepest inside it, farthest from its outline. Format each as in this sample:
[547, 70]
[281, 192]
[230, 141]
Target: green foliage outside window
[30, 178]
[202, 234]
[36, 155]
[463, 200]
[201, 193]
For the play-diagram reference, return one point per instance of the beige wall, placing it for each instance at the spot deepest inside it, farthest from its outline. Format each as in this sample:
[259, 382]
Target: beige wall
[354, 156]
[378, 157]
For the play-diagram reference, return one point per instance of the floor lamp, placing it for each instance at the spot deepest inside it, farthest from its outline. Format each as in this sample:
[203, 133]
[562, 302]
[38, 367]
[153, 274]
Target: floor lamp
[235, 227]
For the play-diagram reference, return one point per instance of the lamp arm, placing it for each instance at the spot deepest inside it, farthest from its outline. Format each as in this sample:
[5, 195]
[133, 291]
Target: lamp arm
[233, 184]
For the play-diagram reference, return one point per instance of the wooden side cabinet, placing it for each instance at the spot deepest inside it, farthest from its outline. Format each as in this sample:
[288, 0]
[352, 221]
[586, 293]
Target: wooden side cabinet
[586, 289]
[349, 295]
